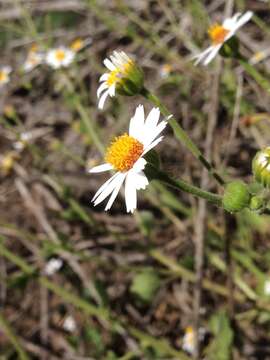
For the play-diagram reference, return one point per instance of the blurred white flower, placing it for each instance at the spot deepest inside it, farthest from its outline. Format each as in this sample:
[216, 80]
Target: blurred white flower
[23, 140]
[60, 57]
[219, 34]
[125, 155]
[33, 59]
[4, 75]
[79, 44]
[52, 266]
[267, 287]
[188, 343]
[69, 324]
[260, 56]
[165, 70]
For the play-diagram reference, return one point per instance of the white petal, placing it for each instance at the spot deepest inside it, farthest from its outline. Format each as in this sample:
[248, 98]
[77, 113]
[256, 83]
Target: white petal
[104, 186]
[152, 119]
[212, 54]
[202, 55]
[230, 22]
[130, 193]
[243, 20]
[102, 99]
[115, 191]
[104, 77]
[110, 188]
[137, 123]
[140, 180]
[139, 165]
[101, 168]
[101, 88]
[109, 65]
[152, 145]
[112, 90]
[151, 135]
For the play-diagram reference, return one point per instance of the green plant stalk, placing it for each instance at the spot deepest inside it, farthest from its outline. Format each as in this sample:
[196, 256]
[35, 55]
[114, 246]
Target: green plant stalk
[4, 325]
[181, 135]
[155, 174]
[188, 275]
[254, 73]
[84, 115]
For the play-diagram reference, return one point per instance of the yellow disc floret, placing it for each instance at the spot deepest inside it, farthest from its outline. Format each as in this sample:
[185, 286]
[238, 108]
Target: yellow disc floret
[77, 45]
[60, 55]
[123, 152]
[120, 72]
[3, 76]
[217, 34]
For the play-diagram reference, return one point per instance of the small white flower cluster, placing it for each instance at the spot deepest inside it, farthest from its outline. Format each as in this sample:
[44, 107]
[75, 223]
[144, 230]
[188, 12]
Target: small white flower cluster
[61, 56]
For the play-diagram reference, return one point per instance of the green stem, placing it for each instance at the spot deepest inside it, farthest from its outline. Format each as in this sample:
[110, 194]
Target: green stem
[181, 135]
[6, 328]
[253, 72]
[155, 174]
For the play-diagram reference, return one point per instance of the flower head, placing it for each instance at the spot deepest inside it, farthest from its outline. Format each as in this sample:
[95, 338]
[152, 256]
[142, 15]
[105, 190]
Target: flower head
[261, 167]
[33, 59]
[125, 155]
[60, 57]
[125, 77]
[4, 75]
[220, 34]
[78, 44]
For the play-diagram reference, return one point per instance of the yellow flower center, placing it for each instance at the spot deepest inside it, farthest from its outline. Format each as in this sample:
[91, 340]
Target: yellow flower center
[116, 75]
[76, 45]
[123, 152]
[217, 34]
[3, 76]
[60, 55]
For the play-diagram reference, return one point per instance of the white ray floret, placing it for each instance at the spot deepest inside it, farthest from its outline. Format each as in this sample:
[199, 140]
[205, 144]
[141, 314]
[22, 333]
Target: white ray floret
[219, 34]
[125, 155]
[60, 57]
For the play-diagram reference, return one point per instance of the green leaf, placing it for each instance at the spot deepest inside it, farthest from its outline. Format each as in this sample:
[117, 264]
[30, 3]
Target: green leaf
[145, 285]
[221, 346]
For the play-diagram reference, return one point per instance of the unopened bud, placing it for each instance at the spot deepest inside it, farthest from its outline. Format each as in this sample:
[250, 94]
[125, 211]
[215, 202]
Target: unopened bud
[236, 196]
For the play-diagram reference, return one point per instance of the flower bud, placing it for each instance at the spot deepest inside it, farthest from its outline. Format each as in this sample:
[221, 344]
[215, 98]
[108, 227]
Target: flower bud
[256, 203]
[230, 48]
[236, 196]
[261, 167]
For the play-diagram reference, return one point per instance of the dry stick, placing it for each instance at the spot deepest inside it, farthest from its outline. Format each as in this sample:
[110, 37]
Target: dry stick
[229, 224]
[200, 225]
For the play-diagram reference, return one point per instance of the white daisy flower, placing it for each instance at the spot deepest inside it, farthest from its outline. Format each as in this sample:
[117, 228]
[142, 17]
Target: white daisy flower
[125, 155]
[4, 75]
[219, 34]
[125, 76]
[33, 59]
[60, 57]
